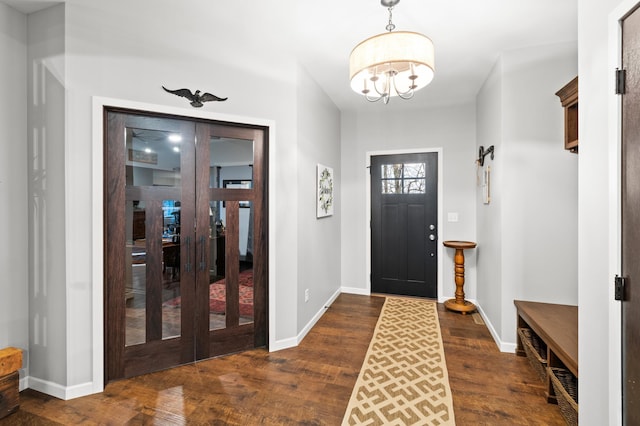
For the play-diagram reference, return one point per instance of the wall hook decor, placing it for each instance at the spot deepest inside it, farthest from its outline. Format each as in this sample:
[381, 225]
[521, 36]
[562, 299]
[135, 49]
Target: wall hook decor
[196, 98]
[483, 153]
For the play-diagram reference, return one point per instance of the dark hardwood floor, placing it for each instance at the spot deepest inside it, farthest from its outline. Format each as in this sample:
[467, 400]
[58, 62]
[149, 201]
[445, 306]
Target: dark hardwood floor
[307, 385]
[490, 387]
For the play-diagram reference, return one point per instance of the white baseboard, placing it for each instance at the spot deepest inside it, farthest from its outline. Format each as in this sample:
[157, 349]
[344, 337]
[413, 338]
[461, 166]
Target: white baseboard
[508, 347]
[47, 387]
[23, 383]
[356, 290]
[279, 345]
[502, 346]
[59, 391]
[317, 316]
[295, 341]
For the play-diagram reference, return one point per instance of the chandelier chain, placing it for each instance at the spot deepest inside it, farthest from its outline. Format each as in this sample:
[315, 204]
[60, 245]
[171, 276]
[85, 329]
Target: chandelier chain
[390, 26]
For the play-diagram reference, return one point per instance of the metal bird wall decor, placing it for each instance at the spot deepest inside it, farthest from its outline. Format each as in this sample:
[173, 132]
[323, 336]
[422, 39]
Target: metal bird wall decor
[196, 98]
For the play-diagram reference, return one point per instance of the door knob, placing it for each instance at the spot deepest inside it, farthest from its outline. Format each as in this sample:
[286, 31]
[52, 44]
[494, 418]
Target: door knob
[432, 227]
[432, 237]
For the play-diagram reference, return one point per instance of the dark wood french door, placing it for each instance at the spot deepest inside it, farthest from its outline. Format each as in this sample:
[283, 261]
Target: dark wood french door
[631, 220]
[404, 224]
[185, 241]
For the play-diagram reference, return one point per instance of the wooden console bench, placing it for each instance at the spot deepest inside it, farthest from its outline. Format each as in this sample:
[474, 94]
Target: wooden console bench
[557, 326]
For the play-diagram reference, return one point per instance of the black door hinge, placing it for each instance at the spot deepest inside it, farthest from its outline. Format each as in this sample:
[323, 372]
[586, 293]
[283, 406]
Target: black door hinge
[621, 78]
[618, 292]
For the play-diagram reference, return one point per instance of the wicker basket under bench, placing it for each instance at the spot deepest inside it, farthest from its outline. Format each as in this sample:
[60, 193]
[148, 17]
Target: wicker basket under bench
[548, 336]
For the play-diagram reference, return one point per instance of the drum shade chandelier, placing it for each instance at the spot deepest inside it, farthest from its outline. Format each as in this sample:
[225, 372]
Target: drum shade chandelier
[392, 63]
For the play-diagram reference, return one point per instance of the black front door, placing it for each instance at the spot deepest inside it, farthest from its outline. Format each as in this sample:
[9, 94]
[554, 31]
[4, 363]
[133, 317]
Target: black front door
[631, 221]
[404, 224]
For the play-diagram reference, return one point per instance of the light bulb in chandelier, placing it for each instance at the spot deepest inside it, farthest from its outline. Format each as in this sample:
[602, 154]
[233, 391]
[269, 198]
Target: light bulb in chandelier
[392, 63]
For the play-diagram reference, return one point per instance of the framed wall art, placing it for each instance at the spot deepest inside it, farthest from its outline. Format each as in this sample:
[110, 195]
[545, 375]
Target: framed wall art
[324, 193]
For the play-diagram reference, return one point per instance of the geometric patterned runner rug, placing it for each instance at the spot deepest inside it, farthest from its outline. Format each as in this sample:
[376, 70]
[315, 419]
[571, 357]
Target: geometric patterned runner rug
[404, 378]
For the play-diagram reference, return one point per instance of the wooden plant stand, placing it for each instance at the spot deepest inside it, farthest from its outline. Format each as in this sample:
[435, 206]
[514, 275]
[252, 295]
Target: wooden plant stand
[459, 304]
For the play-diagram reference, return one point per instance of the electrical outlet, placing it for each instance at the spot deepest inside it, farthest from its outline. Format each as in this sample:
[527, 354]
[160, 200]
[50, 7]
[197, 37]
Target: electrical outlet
[306, 295]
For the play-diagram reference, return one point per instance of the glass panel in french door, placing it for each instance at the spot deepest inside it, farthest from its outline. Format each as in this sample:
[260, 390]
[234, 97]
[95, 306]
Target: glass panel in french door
[153, 224]
[231, 293]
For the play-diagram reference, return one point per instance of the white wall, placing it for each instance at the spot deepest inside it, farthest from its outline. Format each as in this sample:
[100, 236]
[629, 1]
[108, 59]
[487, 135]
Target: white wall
[531, 231]
[599, 315]
[391, 127]
[48, 203]
[14, 309]
[319, 256]
[117, 55]
[489, 216]
[541, 178]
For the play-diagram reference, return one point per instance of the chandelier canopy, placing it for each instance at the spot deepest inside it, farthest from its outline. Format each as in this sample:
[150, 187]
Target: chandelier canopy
[392, 63]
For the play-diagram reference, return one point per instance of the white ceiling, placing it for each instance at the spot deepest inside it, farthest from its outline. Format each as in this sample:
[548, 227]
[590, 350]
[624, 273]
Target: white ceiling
[468, 35]
[29, 6]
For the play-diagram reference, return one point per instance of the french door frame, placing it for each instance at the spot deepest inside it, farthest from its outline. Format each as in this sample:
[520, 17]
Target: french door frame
[441, 224]
[97, 380]
[195, 340]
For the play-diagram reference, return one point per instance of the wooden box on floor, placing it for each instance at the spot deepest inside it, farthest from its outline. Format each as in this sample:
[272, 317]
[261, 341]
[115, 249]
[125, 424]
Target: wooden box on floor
[10, 363]
[9, 397]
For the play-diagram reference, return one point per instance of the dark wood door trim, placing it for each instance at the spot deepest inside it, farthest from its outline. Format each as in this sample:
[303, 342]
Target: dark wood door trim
[115, 274]
[630, 218]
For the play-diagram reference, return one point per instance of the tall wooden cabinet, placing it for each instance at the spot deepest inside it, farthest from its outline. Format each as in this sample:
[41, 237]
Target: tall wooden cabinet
[569, 99]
